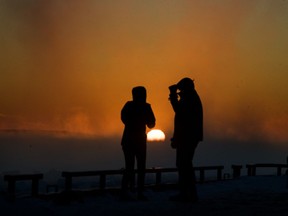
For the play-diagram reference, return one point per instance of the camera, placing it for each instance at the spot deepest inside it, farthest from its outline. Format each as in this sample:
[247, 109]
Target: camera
[173, 88]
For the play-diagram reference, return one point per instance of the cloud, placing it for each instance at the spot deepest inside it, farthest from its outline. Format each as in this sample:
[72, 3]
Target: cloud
[79, 123]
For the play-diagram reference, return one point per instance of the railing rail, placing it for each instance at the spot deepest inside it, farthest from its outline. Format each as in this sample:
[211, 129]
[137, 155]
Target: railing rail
[157, 171]
[34, 178]
[251, 168]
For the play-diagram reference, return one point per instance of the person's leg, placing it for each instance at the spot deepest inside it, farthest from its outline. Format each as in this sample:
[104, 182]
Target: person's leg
[128, 174]
[186, 175]
[180, 164]
[191, 183]
[141, 166]
[188, 188]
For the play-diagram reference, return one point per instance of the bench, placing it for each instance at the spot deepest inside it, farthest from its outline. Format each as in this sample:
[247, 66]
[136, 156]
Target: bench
[158, 172]
[251, 168]
[11, 179]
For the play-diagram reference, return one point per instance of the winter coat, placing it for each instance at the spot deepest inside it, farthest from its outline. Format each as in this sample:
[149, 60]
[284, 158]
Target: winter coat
[136, 116]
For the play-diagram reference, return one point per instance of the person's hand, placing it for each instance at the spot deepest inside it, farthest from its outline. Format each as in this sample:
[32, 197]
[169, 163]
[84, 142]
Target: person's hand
[173, 144]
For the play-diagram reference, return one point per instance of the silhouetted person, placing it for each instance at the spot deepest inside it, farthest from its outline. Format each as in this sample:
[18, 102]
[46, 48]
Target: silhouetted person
[188, 132]
[136, 115]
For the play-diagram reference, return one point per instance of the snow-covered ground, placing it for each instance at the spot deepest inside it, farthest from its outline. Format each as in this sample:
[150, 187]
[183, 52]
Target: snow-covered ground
[245, 196]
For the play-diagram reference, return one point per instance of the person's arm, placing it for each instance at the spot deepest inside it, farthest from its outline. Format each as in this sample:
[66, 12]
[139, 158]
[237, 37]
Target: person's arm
[173, 97]
[124, 114]
[151, 120]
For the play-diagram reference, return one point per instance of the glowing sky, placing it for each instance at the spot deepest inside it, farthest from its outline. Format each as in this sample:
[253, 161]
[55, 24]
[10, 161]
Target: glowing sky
[70, 65]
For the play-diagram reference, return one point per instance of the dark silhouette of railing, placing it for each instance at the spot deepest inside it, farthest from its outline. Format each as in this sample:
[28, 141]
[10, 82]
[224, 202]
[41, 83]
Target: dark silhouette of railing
[236, 170]
[68, 176]
[157, 171]
[251, 168]
[11, 179]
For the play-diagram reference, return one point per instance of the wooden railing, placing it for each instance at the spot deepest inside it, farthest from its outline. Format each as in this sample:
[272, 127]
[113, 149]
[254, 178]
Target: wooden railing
[102, 174]
[251, 168]
[157, 171]
[11, 179]
[236, 170]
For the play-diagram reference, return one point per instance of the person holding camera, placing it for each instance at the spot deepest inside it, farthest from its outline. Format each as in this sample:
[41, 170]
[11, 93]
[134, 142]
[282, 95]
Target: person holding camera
[188, 132]
[136, 115]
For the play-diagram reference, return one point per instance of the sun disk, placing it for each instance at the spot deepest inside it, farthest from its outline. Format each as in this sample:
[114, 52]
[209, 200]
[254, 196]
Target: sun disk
[155, 135]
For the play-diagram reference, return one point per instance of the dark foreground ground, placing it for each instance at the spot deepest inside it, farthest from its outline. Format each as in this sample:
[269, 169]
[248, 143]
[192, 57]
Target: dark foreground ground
[260, 195]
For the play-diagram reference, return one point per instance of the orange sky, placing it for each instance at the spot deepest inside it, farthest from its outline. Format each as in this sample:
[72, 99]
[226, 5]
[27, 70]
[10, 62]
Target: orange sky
[70, 65]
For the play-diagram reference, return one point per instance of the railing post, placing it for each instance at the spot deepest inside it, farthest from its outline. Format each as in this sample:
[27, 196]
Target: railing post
[286, 178]
[251, 170]
[279, 172]
[158, 177]
[11, 186]
[35, 185]
[68, 182]
[219, 174]
[202, 175]
[102, 181]
[236, 170]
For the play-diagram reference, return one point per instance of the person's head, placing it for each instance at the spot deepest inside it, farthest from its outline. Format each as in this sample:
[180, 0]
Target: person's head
[186, 85]
[139, 94]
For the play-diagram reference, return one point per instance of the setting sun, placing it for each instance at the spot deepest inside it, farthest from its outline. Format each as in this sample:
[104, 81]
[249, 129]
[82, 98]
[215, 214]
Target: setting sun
[155, 135]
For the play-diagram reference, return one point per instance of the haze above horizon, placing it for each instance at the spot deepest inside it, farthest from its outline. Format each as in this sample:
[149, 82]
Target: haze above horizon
[70, 65]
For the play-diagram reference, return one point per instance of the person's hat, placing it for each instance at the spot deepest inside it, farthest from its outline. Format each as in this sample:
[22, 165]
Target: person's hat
[185, 84]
